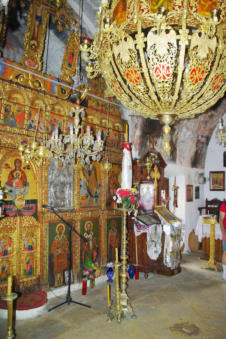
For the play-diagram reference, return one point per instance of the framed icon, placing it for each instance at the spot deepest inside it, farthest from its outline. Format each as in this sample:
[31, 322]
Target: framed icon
[217, 181]
[197, 192]
[189, 193]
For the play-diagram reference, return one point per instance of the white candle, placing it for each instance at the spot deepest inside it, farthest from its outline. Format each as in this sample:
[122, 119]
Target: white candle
[99, 135]
[9, 285]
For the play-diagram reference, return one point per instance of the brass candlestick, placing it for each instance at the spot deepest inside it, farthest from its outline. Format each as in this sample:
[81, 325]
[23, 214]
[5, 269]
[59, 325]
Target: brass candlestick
[9, 298]
[117, 310]
[124, 299]
[211, 263]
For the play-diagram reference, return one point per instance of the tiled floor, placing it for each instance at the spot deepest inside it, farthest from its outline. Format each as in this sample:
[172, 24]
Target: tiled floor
[190, 304]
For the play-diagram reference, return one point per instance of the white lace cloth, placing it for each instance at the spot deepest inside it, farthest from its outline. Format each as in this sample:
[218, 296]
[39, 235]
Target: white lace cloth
[203, 230]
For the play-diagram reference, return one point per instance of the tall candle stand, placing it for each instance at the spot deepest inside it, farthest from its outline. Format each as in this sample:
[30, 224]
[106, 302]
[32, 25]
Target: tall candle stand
[9, 297]
[124, 299]
[116, 310]
[211, 263]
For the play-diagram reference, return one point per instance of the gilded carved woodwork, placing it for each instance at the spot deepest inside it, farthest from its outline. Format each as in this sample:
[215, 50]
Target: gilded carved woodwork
[18, 115]
[20, 239]
[34, 40]
[70, 60]
[3, 28]
[37, 19]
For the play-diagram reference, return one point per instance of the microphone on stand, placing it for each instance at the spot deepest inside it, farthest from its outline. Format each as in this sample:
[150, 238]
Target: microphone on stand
[48, 207]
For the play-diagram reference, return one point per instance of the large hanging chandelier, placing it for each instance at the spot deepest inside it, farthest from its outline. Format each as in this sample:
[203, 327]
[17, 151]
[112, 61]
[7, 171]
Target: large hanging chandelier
[166, 65]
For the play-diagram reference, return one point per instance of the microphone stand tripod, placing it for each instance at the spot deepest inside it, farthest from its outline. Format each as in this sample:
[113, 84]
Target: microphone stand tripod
[68, 296]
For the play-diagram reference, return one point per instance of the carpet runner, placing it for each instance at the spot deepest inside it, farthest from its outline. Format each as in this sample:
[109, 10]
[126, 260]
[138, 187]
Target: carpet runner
[27, 301]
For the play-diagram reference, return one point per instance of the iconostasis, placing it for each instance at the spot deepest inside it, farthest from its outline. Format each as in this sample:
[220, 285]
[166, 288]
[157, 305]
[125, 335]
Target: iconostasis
[33, 241]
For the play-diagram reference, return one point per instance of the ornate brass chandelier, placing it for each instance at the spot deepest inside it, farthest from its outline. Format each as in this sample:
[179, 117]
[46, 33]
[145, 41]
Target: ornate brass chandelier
[36, 151]
[164, 65]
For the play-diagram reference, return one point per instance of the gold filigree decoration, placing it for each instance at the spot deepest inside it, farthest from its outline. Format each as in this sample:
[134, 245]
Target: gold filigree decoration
[167, 65]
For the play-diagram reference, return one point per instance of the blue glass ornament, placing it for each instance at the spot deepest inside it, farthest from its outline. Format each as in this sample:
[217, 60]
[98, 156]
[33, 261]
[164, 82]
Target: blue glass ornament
[110, 274]
[131, 271]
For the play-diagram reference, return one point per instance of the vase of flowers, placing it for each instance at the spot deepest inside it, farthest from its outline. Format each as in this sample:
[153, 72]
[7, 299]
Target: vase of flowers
[91, 271]
[127, 197]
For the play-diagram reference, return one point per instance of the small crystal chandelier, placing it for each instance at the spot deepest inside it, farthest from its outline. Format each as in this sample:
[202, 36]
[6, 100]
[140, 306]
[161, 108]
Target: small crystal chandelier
[36, 151]
[221, 133]
[160, 64]
[66, 148]
[77, 144]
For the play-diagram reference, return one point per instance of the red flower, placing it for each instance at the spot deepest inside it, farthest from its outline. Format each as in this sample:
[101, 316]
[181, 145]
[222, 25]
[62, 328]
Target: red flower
[197, 74]
[127, 145]
[162, 71]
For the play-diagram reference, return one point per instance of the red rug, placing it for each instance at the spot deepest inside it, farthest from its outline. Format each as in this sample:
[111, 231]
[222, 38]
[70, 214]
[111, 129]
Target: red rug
[28, 301]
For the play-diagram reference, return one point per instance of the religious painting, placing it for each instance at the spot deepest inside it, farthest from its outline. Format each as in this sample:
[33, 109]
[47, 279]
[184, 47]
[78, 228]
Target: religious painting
[14, 115]
[19, 180]
[207, 6]
[197, 192]
[70, 60]
[114, 226]
[114, 139]
[28, 266]
[6, 246]
[217, 181]
[90, 185]
[4, 271]
[9, 115]
[29, 243]
[19, 115]
[189, 193]
[33, 118]
[147, 196]
[58, 252]
[90, 249]
[167, 215]
[114, 180]
[60, 184]
[54, 123]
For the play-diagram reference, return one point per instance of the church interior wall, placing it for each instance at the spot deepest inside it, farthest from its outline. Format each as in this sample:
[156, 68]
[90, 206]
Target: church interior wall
[214, 162]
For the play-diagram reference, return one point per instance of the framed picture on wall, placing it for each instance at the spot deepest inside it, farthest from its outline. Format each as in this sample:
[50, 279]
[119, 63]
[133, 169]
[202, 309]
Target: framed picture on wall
[217, 181]
[224, 159]
[189, 193]
[197, 192]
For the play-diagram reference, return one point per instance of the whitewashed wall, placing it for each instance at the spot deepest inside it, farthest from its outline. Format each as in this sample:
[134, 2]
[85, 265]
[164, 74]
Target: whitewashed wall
[214, 162]
[186, 211]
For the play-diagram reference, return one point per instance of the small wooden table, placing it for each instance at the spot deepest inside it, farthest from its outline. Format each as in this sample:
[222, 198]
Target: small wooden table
[211, 263]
